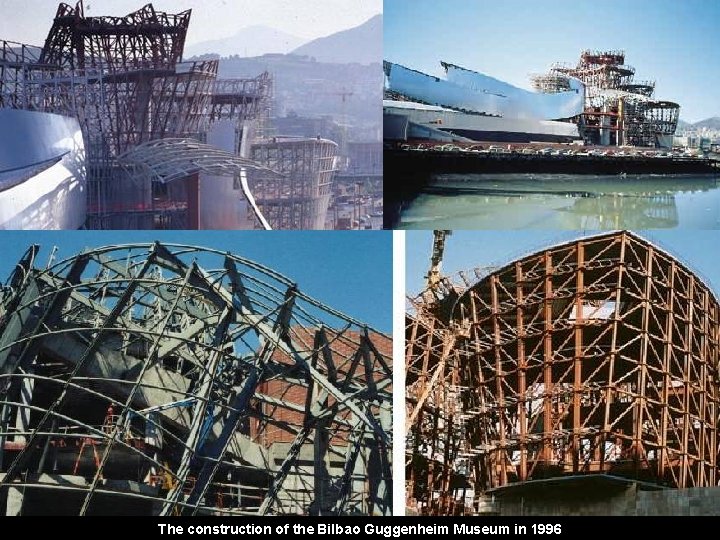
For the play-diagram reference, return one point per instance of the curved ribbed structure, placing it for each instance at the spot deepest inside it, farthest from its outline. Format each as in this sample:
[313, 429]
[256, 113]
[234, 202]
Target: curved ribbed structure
[167, 379]
[596, 356]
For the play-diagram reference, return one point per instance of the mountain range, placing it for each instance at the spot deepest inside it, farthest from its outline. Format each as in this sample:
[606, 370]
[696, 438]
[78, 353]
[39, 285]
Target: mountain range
[361, 44]
[709, 123]
[248, 41]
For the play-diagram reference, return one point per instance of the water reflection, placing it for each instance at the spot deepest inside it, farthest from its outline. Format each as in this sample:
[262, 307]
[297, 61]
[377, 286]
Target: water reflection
[565, 202]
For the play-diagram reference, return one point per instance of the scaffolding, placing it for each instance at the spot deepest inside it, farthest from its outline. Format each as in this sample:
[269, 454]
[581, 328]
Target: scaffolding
[618, 110]
[597, 356]
[300, 198]
[124, 80]
[133, 381]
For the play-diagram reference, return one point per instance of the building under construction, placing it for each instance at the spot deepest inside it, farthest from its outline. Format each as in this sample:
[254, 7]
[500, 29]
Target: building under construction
[579, 379]
[123, 78]
[134, 381]
[298, 199]
[619, 110]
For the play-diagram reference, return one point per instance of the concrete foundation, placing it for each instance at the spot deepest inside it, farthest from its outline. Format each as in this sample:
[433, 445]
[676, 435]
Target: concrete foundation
[629, 501]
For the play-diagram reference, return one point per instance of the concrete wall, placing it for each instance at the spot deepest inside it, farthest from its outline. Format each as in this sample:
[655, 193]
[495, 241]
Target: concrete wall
[629, 501]
[686, 502]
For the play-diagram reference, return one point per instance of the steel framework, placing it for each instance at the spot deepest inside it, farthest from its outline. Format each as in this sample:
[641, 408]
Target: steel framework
[168, 160]
[618, 109]
[123, 78]
[595, 356]
[299, 199]
[143, 39]
[133, 380]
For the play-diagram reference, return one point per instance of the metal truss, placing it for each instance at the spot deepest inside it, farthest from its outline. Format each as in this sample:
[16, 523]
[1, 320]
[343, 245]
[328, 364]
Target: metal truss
[241, 99]
[618, 109]
[143, 39]
[167, 160]
[598, 356]
[168, 379]
[123, 78]
[299, 200]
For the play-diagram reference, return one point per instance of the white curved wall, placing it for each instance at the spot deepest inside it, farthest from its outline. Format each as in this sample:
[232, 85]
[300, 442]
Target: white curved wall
[222, 203]
[42, 171]
[470, 91]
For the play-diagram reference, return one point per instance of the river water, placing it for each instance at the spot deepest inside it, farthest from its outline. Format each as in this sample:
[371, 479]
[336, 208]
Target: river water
[529, 201]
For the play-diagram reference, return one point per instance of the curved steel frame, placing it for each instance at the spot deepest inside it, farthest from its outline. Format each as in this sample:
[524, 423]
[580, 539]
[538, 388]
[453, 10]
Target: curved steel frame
[131, 375]
[595, 356]
[166, 160]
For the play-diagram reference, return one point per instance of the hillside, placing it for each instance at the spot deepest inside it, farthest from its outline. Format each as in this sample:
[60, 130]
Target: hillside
[362, 44]
[249, 41]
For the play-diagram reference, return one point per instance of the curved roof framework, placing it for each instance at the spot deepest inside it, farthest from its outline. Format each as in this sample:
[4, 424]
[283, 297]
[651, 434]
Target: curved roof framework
[172, 159]
[172, 379]
[166, 160]
[596, 356]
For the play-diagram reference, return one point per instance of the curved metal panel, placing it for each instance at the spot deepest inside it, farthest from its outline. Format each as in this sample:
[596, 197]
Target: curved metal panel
[42, 171]
[473, 92]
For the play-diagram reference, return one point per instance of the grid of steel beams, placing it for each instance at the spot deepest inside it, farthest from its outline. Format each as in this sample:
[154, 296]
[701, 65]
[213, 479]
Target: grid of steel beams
[618, 109]
[298, 199]
[124, 80]
[598, 356]
[169, 379]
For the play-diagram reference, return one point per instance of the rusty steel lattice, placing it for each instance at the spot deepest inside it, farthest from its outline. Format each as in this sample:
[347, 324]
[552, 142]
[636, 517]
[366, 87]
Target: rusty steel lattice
[168, 379]
[598, 356]
[618, 109]
[143, 39]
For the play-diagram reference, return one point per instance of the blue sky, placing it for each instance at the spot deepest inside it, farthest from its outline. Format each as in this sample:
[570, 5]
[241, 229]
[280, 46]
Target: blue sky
[465, 250]
[350, 271]
[676, 43]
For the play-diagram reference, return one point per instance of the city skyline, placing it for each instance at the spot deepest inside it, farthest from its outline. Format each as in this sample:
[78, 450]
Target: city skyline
[669, 42]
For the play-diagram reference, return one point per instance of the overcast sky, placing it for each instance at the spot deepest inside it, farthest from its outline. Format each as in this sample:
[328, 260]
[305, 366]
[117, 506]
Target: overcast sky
[28, 21]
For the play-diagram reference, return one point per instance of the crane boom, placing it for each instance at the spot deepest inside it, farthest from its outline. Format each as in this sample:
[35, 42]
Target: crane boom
[433, 275]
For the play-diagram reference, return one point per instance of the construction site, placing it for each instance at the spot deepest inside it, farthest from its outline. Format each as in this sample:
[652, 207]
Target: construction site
[163, 379]
[168, 145]
[581, 379]
[619, 110]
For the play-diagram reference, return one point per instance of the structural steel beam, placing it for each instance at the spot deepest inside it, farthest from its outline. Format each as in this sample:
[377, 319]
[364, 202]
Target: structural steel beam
[193, 378]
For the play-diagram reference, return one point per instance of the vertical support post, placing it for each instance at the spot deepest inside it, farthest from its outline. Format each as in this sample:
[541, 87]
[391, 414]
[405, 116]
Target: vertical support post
[617, 320]
[640, 397]
[664, 456]
[578, 356]
[547, 360]
[687, 386]
[22, 417]
[501, 453]
[522, 369]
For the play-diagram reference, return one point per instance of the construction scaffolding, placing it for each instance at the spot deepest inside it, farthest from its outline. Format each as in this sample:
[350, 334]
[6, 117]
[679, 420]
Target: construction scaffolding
[299, 199]
[133, 380]
[593, 357]
[618, 110]
[124, 80]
